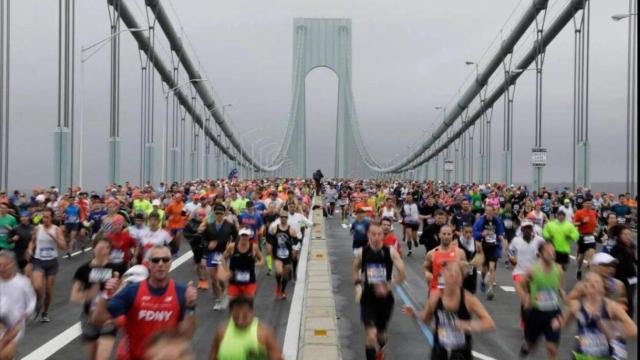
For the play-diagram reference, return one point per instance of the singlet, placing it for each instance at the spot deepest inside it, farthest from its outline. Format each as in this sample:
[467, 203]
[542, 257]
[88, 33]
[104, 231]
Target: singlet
[376, 266]
[242, 266]
[544, 288]
[439, 258]
[388, 213]
[46, 245]
[447, 336]
[591, 342]
[469, 248]
[150, 314]
[241, 344]
[283, 243]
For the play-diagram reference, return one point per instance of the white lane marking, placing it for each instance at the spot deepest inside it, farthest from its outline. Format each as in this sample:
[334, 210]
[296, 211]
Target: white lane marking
[572, 257]
[80, 252]
[508, 288]
[52, 346]
[294, 322]
[481, 356]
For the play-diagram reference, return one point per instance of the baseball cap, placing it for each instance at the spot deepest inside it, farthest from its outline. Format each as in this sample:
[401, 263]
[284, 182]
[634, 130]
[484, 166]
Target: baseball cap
[245, 231]
[219, 209]
[249, 204]
[526, 222]
[139, 216]
[40, 198]
[136, 274]
[603, 258]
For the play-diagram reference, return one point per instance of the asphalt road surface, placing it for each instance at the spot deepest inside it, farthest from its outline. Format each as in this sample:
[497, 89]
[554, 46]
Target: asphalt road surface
[65, 315]
[406, 340]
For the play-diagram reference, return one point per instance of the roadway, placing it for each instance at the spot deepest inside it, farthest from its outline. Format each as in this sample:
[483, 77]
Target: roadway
[65, 315]
[406, 339]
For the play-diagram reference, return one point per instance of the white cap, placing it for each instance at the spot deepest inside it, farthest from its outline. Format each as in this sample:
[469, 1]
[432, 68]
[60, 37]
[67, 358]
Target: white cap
[602, 258]
[40, 198]
[526, 222]
[245, 231]
[155, 202]
[136, 274]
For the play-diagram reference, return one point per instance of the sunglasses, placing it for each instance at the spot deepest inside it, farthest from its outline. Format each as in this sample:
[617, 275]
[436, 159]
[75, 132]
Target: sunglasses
[284, 217]
[164, 259]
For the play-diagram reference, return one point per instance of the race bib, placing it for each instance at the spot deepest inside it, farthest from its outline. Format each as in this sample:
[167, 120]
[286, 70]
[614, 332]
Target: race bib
[117, 256]
[376, 273]
[242, 276]
[589, 239]
[632, 280]
[490, 238]
[547, 300]
[216, 257]
[282, 253]
[478, 204]
[594, 343]
[100, 275]
[621, 220]
[440, 280]
[431, 220]
[46, 253]
[508, 223]
[449, 336]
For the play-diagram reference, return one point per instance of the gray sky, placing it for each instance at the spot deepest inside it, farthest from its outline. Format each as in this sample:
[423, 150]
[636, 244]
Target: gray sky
[408, 57]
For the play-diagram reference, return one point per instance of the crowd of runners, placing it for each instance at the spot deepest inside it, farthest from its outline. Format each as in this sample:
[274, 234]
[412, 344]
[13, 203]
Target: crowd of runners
[233, 227]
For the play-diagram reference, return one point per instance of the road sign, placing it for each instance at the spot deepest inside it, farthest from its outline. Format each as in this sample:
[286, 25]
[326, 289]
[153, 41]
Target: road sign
[448, 165]
[539, 157]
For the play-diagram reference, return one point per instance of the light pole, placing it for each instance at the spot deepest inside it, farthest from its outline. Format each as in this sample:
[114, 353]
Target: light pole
[262, 159]
[632, 64]
[83, 59]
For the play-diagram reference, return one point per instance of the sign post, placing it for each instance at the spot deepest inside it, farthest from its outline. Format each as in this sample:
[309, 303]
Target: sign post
[538, 161]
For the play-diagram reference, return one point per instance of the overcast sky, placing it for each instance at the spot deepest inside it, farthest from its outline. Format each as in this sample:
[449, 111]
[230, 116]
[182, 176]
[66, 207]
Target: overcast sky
[408, 57]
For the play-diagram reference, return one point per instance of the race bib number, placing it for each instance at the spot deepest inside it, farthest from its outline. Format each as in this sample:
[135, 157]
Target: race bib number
[440, 280]
[622, 220]
[216, 257]
[478, 204]
[282, 253]
[547, 300]
[508, 223]
[632, 280]
[100, 275]
[449, 336]
[376, 273]
[490, 238]
[589, 239]
[470, 269]
[117, 256]
[46, 253]
[594, 343]
[242, 276]
[431, 221]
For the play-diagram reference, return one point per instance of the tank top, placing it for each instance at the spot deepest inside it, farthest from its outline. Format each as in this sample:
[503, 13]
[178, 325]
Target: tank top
[388, 213]
[241, 344]
[439, 258]
[46, 245]
[544, 288]
[284, 243]
[149, 315]
[469, 248]
[591, 342]
[376, 266]
[242, 266]
[447, 336]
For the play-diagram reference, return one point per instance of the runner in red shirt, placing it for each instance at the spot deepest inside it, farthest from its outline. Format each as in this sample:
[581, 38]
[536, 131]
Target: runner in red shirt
[150, 306]
[390, 238]
[434, 260]
[124, 247]
[586, 219]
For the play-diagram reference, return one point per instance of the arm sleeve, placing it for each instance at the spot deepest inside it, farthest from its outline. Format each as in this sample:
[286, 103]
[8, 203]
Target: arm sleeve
[121, 303]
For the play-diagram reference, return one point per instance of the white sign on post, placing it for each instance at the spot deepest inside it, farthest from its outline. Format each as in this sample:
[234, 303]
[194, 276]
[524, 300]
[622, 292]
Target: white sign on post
[448, 165]
[539, 157]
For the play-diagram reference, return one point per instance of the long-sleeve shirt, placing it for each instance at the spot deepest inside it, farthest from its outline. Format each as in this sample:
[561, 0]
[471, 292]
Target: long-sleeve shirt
[297, 220]
[17, 298]
[561, 234]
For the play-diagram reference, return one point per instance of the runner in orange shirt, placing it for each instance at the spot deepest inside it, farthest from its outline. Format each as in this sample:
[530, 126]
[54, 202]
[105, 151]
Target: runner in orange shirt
[176, 220]
[586, 219]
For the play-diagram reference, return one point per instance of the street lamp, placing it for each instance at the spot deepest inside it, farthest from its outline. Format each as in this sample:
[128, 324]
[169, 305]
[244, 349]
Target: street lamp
[83, 49]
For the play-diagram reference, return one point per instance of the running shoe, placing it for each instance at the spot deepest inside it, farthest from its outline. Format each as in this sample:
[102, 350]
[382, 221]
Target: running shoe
[268, 272]
[524, 350]
[203, 285]
[218, 305]
[45, 318]
[483, 286]
[490, 294]
[579, 275]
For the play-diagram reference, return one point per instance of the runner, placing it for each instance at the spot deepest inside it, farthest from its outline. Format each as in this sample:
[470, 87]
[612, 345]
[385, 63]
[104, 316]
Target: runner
[299, 222]
[20, 236]
[595, 316]
[124, 248]
[359, 230]
[374, 291]
[244, 337]
[488, 229]
[198, 247]
[561, 233]
[269, 216]
[154, 236]
[249, 218]
[343, 203]
[17, 303]
[150, 306]
[71, 217]
[625, 252]
[410, 223]
[217, 233]
[176, 219]
[390, 238]
[7, 223]
[474, 257]
[452, 309]
[88, 281]
[243, 258]
[47, 239]
[586, 219]
[446, 252]
[283, 237]
[541, 291]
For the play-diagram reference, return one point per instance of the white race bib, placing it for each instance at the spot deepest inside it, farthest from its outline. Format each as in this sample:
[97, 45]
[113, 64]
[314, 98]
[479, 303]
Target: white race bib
[589, 239]
[508, 223]
[547, 300]
[46, 253]
[376, 273]
[594, 343]
[117, 256]
[282, 253]
[216, 257]
[449, 336]
[632, 280]
[242, 276]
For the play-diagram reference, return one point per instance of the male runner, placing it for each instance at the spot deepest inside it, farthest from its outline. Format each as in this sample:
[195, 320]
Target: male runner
[561, 233]
[243, 257]
[283, 236]
[586, 219]
[435, 259]
[488, 229]
[374, 291]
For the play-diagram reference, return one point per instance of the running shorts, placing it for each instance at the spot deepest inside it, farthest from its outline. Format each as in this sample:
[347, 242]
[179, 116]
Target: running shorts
[91, 332]
[412, 226]
[248, 290]
[562, 258]
[537, 323]
[213, 259]
[48, 267]
[584, 247]
[490, 253]
[376, 311]
[72, 227]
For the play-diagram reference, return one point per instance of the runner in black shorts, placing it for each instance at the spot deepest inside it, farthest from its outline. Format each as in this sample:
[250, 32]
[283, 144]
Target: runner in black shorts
[374, 290]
